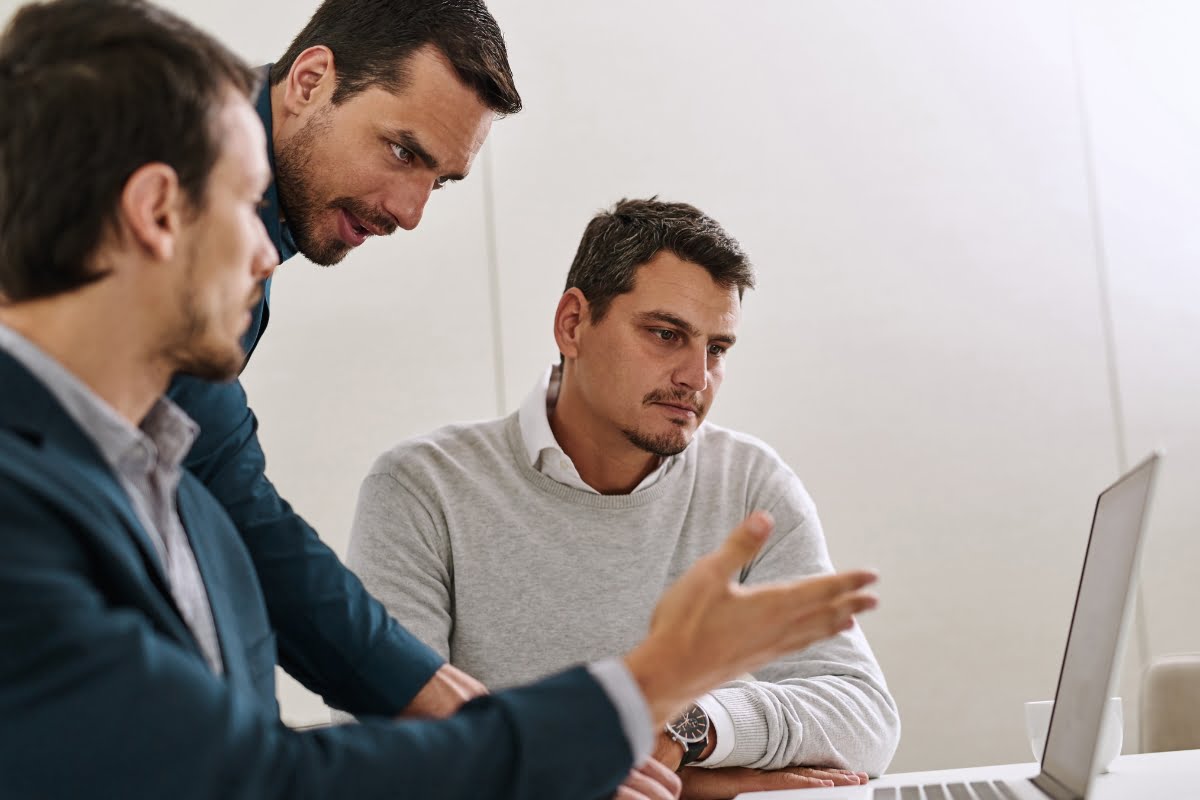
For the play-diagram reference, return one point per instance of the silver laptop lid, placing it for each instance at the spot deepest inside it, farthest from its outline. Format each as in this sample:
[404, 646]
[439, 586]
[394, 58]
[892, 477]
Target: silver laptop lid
[1097, 632]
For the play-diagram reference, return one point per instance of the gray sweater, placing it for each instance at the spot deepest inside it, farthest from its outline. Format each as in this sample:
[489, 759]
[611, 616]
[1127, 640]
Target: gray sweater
[511, 576]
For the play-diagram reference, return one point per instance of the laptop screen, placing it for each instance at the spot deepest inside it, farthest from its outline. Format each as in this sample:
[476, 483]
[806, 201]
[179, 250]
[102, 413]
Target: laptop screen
[1096, 629]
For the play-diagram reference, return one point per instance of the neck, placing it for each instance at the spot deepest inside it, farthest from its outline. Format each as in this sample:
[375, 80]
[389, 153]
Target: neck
[605, 459]
[103, 349]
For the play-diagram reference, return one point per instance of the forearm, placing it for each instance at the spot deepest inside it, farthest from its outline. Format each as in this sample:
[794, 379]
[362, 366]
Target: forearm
[333, 636]
[827, 705]
[190, 738]
[842, 718]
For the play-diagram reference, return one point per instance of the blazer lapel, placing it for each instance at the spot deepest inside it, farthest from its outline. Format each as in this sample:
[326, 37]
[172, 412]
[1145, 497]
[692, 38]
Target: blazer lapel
[202, 531]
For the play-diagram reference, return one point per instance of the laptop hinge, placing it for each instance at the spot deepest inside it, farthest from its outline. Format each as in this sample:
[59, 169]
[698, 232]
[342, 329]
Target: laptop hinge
[1052, 787]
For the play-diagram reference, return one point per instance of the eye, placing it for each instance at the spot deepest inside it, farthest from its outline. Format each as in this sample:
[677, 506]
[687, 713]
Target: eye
[664, 334]
[441, 182]
[403, 155]
[717, 350]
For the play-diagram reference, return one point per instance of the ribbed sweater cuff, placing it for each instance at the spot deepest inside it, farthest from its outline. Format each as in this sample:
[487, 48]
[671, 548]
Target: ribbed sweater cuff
[749, 724]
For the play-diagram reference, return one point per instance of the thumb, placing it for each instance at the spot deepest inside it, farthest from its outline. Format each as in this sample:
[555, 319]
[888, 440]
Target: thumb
[744, 542]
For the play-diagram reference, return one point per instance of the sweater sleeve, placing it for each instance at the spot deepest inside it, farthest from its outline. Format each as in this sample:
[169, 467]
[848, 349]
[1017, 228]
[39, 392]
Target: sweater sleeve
[401, 553]
[827, 705]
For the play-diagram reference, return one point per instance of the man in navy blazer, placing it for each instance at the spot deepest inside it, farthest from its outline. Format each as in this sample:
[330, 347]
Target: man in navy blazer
[137, 649]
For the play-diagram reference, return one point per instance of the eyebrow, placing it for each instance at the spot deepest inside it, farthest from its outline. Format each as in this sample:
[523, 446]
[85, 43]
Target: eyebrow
[679, 322]
[408, 140]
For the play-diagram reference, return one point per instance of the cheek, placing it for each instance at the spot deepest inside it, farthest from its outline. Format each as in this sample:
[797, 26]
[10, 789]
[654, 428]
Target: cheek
[361, 175]
[235, 262]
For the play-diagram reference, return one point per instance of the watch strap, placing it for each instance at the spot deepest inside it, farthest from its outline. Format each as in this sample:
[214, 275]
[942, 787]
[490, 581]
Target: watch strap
[692, 751]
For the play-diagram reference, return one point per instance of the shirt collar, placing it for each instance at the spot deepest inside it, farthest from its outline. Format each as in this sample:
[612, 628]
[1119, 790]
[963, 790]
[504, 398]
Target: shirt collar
[542, 451]
[163, 439]
[534, 418]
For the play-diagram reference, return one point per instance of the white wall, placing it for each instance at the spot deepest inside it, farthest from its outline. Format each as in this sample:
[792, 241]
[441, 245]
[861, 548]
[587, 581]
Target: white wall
[978, 298]
[1143, 96]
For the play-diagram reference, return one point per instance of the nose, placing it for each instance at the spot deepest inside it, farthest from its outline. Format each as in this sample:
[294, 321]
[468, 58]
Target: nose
[406, 203]
[692, 370]
[266, 257]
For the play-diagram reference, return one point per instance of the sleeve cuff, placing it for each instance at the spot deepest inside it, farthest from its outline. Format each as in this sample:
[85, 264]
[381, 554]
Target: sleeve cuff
[618, 683]
[721, 721]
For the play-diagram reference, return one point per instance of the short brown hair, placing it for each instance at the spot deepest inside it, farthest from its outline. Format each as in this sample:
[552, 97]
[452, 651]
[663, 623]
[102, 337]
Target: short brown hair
[92, 90]
[371, 41]
[617, 242]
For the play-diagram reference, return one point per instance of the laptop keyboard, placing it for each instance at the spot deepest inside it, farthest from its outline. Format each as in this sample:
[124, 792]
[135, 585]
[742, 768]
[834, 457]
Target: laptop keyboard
[975, 790]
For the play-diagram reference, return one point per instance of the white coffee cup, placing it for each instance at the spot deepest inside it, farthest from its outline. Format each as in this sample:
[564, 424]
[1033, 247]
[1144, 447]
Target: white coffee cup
[1037, 724]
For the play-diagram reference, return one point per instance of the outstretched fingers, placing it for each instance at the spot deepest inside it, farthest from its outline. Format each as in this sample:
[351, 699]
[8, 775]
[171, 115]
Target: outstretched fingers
[831, 616]
[812, 609]
[743, 544]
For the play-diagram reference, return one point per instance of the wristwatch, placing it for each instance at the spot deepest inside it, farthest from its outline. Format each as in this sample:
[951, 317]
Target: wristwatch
[690, 729]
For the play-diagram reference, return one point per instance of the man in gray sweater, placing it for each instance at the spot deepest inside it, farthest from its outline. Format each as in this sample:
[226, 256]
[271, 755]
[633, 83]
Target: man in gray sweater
[517, 546]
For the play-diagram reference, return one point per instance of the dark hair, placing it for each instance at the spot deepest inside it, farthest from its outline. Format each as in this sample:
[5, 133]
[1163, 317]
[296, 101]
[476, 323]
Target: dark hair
[371, 41]
[617, 242]
[90, 91]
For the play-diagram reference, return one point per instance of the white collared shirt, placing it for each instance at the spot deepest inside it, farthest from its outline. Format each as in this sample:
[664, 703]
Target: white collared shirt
[547, 457]
[542, 449]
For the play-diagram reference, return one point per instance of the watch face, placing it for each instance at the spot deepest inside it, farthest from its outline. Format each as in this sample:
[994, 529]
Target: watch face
[691, 725]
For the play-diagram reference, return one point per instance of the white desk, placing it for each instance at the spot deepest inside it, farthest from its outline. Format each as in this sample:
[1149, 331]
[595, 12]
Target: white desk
[1153, 776]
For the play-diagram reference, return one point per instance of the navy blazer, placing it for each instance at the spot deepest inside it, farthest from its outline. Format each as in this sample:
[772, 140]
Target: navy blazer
[105, 693]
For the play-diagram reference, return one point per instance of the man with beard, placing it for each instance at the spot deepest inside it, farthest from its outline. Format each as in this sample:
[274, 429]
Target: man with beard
[374, 106]
[136, 649]
[518, 546]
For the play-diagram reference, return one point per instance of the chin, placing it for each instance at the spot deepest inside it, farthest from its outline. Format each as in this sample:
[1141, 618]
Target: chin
[324, 253]
[217, 365]
[660, 443]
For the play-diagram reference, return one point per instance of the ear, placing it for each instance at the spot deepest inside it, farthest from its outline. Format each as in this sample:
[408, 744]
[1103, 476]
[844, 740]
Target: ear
[152, 210]
[310, 81]
[570, 318]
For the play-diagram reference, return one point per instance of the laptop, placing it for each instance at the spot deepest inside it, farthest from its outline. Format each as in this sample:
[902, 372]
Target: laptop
[1088, 669]
[1089, 666]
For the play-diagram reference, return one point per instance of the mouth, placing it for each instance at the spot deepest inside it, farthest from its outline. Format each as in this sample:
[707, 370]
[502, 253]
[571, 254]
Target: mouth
[352, 230]
[691, 412]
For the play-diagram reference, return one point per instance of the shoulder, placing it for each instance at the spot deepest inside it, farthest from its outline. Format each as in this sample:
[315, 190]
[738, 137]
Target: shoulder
[726, 448]
[35, 474]
[24, 471]
[48, 497]
[743, 463]
[457, 448]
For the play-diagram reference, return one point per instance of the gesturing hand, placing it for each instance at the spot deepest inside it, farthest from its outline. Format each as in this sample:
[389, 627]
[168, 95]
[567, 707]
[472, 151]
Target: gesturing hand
[708, 629]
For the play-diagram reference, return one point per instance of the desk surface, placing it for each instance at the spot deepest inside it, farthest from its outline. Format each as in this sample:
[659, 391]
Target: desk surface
[1161, 776]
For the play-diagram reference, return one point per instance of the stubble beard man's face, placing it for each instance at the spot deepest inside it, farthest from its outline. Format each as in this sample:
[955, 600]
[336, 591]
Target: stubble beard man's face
[193, 354]
[303, 207]
[194, 349]
[671, 443]
[298, 198]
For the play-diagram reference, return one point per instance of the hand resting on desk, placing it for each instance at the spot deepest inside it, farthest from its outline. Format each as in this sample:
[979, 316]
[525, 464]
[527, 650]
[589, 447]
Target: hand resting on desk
[726, 782]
